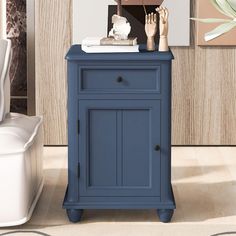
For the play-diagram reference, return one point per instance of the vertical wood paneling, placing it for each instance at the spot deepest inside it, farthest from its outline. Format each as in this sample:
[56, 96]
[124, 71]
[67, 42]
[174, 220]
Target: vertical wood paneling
[204, 94]
[30, 9]
[2, 18]
[204, 83]
[53, 38]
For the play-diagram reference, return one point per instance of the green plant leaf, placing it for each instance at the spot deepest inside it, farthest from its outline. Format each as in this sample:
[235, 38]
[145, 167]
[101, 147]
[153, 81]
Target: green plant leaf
[232, 4]
[218, 31]
[215, 4]
[226, 7]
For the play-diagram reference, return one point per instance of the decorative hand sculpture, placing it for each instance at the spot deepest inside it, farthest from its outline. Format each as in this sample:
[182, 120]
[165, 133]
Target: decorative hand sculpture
[164, 27]
[151, 30]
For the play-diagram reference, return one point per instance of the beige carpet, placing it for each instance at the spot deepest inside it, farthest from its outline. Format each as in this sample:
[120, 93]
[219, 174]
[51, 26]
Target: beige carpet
[204, 182]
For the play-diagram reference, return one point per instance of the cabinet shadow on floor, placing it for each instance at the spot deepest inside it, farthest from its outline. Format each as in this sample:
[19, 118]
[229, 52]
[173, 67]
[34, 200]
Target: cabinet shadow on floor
[198, 199]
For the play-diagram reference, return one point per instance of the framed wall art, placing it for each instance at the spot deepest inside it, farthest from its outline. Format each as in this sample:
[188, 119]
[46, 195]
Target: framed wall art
[90, 18]
[215, 23]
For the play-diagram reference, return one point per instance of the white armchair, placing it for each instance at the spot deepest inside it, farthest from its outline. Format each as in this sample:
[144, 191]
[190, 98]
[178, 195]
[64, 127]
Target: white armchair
[21, 153]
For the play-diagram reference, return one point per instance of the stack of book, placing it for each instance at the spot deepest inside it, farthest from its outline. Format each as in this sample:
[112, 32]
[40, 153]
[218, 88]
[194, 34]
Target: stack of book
[109, 45]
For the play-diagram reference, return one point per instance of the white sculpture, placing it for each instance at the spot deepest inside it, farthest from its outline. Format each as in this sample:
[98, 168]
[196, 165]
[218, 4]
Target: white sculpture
[121, 28]
[164, 27]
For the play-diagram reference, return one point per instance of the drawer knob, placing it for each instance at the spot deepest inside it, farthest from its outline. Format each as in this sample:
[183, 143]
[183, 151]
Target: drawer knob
[157, 148]
[119, 79]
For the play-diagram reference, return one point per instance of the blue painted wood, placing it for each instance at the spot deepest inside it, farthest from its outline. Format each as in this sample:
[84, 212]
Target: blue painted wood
[100, 150]
[72, 191]
[74, 215]
[138, 159]
[76, 54]
[114, 162]
[165, 215]
[130, 125]
[119, 79]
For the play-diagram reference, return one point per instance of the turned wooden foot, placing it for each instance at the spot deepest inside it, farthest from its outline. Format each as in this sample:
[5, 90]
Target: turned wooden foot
[74, 215]
[165, 215]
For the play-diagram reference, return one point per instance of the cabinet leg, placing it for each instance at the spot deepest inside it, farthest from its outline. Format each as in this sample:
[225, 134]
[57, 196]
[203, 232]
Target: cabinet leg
[74, 215]
[165, 215]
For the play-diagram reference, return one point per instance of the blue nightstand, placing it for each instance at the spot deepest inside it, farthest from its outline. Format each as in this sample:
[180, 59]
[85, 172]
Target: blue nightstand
[119, 119]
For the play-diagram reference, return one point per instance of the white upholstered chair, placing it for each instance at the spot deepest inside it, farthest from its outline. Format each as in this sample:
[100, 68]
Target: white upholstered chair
[21, 154]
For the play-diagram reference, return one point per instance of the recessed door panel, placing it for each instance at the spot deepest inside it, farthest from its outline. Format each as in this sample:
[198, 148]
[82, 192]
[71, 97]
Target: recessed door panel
[102, 147]
[117, 148]
[136, 148]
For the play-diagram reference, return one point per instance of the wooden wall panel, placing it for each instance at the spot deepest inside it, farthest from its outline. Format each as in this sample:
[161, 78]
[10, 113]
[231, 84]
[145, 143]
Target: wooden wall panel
[53, 39]
[204, 83]
[204, 94]
[2, 19]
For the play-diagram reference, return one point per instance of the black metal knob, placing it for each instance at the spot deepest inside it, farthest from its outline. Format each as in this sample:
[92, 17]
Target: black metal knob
[119, 79]
[157, 148]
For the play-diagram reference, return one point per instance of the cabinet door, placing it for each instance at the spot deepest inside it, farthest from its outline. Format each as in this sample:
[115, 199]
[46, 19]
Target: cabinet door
[117, 141]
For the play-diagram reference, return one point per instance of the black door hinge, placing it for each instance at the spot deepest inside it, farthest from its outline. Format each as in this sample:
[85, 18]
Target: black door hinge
[78, 170]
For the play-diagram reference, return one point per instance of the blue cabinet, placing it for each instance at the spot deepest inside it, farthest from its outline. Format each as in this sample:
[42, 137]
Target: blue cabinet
[119, 131]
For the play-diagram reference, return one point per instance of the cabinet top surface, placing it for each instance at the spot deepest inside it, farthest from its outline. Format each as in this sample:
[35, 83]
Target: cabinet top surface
[76, 53]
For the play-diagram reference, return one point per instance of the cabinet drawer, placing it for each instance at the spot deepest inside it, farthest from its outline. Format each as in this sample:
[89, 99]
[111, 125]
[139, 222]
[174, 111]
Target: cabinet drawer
[119, 79]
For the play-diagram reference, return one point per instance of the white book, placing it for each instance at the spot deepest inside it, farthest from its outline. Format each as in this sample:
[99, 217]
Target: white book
[92, 41]
[109, 49]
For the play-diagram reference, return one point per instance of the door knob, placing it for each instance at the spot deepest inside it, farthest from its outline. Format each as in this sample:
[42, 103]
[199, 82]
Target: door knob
[157, 148]
[119, 79]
